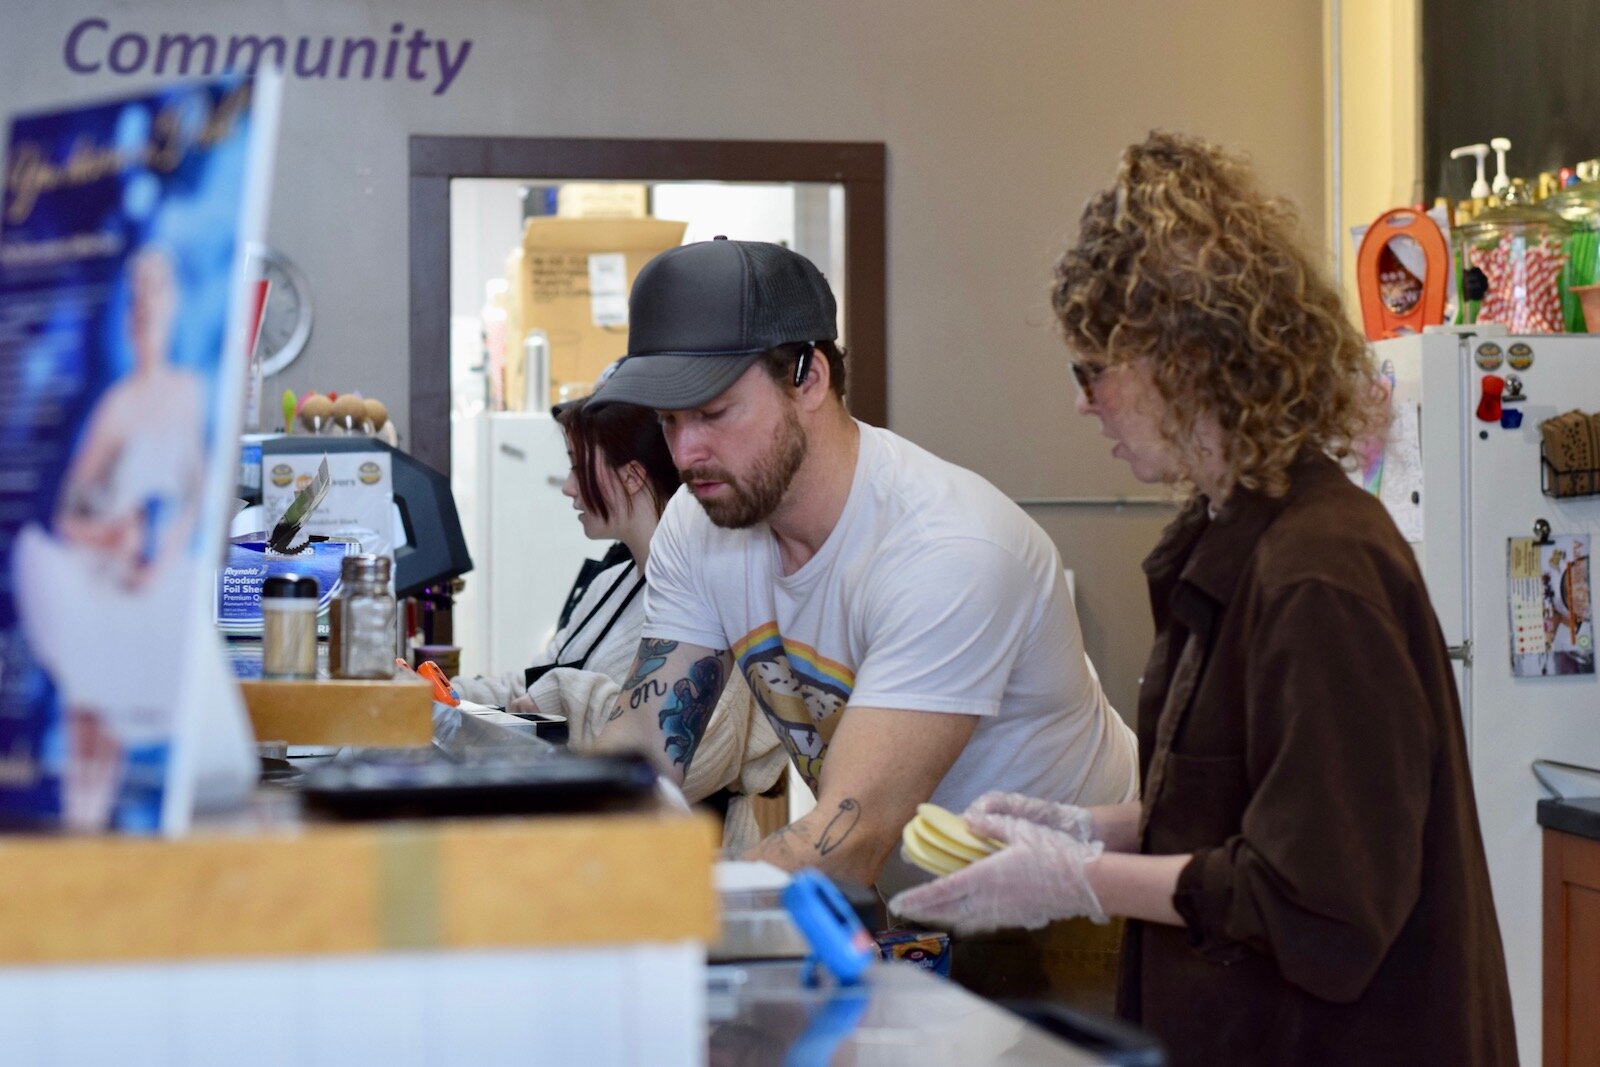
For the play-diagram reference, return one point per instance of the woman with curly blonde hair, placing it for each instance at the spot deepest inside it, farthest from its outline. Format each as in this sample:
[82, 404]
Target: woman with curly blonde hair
[1304, 875]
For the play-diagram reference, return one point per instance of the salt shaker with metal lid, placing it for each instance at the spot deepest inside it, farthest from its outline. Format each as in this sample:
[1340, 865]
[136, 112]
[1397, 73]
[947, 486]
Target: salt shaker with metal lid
[361, 633]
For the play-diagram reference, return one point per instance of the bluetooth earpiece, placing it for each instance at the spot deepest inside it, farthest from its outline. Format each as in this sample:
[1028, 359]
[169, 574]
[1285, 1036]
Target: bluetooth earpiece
[802, 368]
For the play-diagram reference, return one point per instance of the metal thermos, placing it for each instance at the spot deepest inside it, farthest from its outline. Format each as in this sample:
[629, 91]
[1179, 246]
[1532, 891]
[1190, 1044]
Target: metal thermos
[536, 353]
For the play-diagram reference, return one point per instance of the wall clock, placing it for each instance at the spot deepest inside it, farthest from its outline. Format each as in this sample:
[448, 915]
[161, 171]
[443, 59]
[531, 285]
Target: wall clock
[286, 322]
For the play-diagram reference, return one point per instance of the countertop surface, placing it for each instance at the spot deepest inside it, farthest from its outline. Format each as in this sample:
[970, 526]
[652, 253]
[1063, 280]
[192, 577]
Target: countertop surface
[1572, 815]
[768, 1014]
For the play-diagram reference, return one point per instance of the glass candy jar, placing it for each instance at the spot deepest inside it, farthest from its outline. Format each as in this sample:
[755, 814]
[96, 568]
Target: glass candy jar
[1521, 247]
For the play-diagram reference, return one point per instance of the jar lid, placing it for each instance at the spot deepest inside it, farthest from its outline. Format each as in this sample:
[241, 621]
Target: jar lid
[364, 568]
[290, 586]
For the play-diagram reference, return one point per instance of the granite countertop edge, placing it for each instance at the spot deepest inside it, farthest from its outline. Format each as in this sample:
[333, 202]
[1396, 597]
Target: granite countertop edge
[1572, 815]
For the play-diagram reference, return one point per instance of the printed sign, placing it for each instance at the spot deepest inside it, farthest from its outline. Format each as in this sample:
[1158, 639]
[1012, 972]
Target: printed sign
[360, 500]
[250, 564]
[1552, 622]
[608, 289]
[122, 307]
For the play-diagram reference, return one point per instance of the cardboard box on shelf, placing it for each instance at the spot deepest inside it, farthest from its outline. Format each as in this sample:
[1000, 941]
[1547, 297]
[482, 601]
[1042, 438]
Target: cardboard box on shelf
[603, 200]
[575, 276]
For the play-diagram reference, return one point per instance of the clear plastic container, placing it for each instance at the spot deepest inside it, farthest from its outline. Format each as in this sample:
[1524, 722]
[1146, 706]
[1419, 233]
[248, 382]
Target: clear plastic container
[289, 627]
[1580, 205]
[1522, 248]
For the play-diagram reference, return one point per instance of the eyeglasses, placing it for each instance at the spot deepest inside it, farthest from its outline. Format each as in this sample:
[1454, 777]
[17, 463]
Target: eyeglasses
[1086, 375]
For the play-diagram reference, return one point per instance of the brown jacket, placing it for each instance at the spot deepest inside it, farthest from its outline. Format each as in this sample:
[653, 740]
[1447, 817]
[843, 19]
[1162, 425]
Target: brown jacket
[1301, 736]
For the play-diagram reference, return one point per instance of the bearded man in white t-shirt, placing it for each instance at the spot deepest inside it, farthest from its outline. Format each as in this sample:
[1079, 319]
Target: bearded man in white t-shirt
[906, 628]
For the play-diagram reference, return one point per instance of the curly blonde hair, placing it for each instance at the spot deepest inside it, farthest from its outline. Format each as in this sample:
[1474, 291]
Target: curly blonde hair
[1186, 262]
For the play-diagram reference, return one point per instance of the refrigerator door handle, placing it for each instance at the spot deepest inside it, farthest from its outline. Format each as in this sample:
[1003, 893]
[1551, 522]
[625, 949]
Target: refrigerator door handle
[1462, 652]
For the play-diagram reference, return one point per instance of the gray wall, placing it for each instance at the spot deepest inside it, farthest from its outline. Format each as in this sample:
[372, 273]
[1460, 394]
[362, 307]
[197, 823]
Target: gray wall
[999, 116]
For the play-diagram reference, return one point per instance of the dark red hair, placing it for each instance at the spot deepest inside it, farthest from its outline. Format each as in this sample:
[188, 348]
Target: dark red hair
[626, 434]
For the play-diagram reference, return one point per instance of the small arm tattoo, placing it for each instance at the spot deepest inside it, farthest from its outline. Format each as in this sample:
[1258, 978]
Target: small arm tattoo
[840, 826]
[650, 689]
[653, 653]
[688, 709]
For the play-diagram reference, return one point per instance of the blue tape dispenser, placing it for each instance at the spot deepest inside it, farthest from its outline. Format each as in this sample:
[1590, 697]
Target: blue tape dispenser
[838, 940]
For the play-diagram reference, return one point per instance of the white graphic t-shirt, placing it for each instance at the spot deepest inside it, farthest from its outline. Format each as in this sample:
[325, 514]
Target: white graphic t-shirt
[933, 593]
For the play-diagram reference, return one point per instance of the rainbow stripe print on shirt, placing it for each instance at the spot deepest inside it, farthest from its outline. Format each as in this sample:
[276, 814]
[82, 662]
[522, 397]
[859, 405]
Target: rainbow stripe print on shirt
[801, 692]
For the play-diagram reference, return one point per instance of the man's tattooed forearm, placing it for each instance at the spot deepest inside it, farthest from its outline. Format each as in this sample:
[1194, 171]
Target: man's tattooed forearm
[647, 690]
[688, 708]
[840, 826]
[653, 653]
[790, 836]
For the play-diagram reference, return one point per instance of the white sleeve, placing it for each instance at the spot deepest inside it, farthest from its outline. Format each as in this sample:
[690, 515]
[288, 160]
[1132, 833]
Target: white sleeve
[676, 607]
[944, 631]
[493, 690]
[584, 697]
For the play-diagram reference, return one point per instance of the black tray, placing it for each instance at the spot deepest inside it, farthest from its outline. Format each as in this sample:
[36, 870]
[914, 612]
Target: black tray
[376, 788]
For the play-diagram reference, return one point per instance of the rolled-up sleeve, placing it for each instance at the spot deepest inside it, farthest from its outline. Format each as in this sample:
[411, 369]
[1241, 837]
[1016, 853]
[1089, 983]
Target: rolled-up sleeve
[1340, 758]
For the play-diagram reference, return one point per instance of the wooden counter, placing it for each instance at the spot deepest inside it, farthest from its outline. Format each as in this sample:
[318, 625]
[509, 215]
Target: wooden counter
[351, 889]
[1571, 931]
[342, 711]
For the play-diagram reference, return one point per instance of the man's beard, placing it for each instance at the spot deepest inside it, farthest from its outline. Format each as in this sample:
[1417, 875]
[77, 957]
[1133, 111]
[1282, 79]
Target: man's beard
[747, 502]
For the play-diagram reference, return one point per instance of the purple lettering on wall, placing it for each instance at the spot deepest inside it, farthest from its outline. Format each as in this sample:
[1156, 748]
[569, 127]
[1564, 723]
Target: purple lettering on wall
[301, 69]
[394, 48]
[186, 48]
[446, 67]
[74, 38]
[123, 59]
[352, 44]
[94, 46]
[253, 47]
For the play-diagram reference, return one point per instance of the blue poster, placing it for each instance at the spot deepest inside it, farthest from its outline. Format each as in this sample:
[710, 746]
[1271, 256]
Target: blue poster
[121, 246]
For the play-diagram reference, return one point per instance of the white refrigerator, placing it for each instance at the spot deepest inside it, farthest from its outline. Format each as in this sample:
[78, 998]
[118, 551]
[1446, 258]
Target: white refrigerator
[1461, 488]
[507, 469]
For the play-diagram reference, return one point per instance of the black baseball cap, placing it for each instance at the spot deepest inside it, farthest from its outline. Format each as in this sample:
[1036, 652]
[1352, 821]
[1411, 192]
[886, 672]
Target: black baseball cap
[701, 314]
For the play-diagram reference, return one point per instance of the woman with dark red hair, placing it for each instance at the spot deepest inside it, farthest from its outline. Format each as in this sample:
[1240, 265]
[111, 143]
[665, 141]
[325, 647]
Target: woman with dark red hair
[621, 477]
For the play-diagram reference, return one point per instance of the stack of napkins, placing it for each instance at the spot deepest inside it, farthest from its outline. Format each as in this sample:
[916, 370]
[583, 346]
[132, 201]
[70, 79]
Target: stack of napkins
[940, 843]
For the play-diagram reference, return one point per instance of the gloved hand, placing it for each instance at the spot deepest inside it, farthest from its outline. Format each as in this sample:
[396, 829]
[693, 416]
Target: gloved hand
[1068, 818]
[1038, 877]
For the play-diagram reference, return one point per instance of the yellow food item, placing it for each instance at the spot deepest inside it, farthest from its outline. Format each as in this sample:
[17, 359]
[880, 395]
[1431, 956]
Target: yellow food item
[954, 827]
[919, 855]
[940, 843]
[932, 836]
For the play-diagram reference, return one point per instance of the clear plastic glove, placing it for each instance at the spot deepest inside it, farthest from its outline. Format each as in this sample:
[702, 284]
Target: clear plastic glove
[1037, 878]
[1067, 818]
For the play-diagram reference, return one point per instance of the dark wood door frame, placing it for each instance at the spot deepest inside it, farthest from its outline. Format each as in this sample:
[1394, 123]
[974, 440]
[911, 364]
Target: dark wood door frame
[858, 166]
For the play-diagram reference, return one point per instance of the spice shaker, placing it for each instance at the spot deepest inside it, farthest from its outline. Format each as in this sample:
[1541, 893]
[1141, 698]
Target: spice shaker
[289, 627]
[361, 631]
